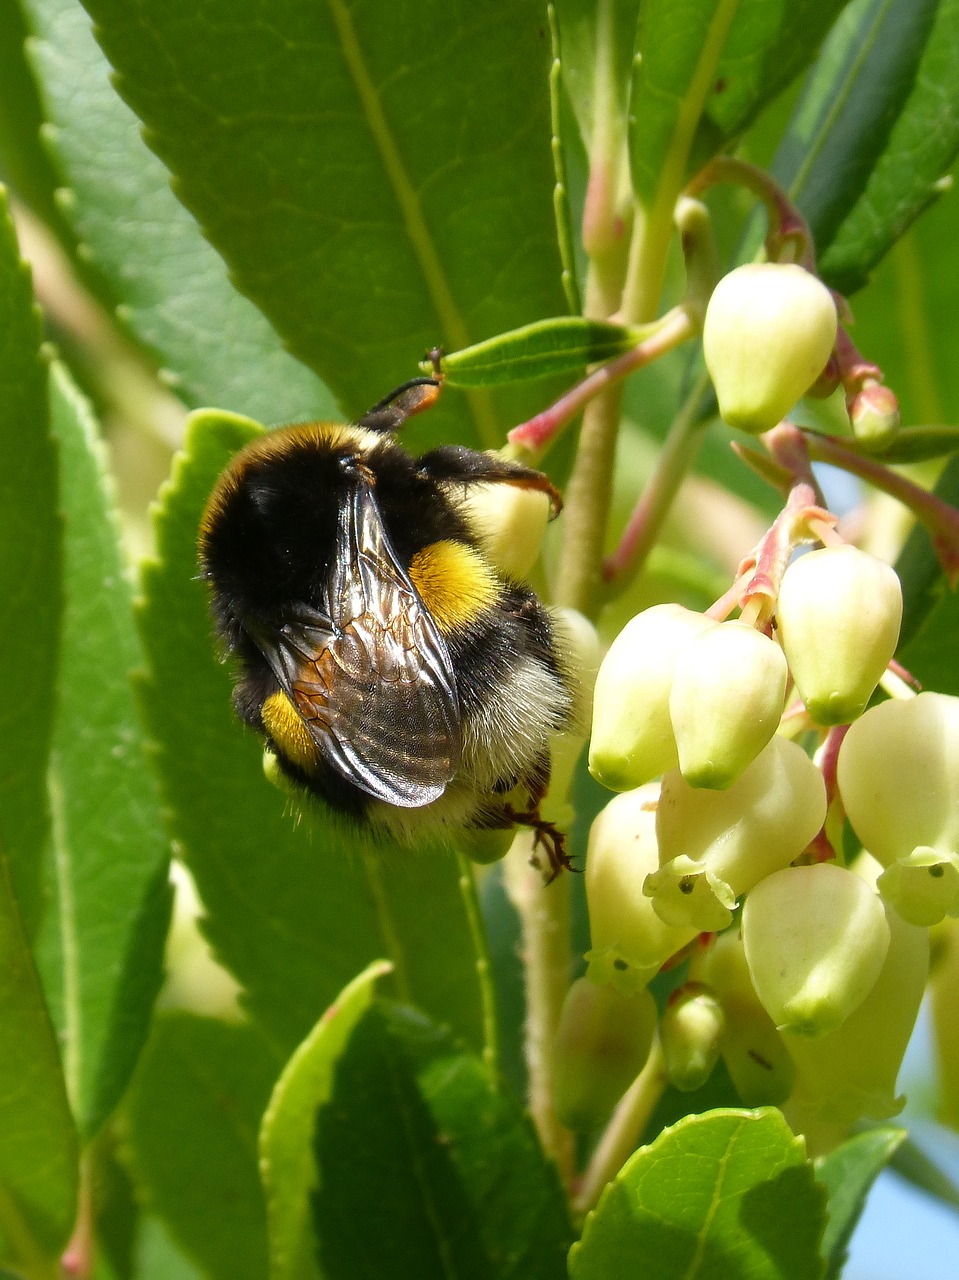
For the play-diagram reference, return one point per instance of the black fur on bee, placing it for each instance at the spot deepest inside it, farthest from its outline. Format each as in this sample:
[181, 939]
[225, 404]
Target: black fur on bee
[393, 671]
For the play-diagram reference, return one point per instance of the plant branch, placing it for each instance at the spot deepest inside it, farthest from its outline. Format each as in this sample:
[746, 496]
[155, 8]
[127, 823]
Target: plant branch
[544, 912]
[788, 238]
[467, 882]
[623, 1131]
[941, 519]
[645, 524]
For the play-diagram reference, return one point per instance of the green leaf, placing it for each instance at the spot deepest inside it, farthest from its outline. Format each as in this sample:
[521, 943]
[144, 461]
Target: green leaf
[170, 285]
[459, 1183]
[847, 1173]
[370, 173]
[876, 128]
[561, 345]
[38, 1143]
[907, 321]
[102, 942]
[728, 1193]
[158, 1257]
[30, 565]
[194, 1113]
[296, 903]
[23, 161]
[286, 1135]
[767, 47]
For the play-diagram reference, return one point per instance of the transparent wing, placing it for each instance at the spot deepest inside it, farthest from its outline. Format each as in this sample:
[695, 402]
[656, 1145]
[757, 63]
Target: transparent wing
[373, 679]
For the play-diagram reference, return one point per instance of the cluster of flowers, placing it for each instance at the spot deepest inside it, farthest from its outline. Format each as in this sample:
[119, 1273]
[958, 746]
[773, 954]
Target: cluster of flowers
[725, 845]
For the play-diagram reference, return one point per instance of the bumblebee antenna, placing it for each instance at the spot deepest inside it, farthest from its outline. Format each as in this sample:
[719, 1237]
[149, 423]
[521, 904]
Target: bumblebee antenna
[392, 411]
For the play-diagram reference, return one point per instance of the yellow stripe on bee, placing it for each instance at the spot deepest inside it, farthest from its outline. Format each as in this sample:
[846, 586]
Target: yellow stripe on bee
[454, 582]
[283, 723]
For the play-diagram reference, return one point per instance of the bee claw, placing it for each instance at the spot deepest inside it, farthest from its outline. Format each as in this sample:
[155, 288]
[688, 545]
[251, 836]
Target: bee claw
[548, 837]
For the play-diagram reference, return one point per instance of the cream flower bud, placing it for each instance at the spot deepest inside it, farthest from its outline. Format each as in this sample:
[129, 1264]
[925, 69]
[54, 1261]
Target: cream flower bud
[851, 1072]
[602, 1043]
[815, 938]
[752, 1049]
[690, 1033]
[509, 522]
[838, 614]
[729, 685]
[924, 886]
[484, 845]
[632, 737]
[769, 330]
[898, 775]
[630, 942]
[715, 845]
[875, 414]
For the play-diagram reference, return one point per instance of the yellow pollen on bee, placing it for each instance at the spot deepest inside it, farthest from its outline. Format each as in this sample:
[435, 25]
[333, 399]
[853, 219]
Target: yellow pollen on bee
[454, 582]
[285, 726]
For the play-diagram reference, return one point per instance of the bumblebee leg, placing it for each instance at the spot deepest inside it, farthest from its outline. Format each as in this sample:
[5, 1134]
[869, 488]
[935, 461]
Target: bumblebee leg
[391, 412]
[454, 463]
[546, 836]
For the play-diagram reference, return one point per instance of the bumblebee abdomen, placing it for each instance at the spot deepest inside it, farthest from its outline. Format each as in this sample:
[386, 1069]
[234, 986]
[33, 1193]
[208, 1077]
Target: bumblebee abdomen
[455, 583]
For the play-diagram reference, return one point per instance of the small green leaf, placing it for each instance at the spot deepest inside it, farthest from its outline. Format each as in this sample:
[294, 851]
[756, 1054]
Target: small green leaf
[728, 1193]
[924, 590]
[915, 444]
[194, 1113]
[146, 248]
[286, 1135]
[296, 903]
[38, 1142]
[548, 347]
[30, 567]
[101, 945]
[910, 1162]
[370, 173]
[847, 1173]
[876, 129]
[459, 1183]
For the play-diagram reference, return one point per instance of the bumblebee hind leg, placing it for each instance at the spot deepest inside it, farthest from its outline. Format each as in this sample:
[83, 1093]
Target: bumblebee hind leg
[546, 836]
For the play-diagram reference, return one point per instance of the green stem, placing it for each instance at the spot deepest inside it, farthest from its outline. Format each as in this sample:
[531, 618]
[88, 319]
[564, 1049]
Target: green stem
[587, 504]
[623, 1131]
[654, 226]
[675, 458]
[544, 912]
[474, 920]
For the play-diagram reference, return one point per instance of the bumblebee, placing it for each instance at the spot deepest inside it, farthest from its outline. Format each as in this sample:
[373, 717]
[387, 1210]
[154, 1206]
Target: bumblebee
[392, 670]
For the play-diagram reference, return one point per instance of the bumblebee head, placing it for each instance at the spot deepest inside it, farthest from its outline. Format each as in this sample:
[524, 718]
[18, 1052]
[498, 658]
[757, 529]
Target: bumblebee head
[269, 530]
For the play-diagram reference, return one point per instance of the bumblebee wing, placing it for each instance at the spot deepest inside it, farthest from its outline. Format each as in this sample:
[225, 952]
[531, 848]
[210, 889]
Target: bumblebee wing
[373, 680]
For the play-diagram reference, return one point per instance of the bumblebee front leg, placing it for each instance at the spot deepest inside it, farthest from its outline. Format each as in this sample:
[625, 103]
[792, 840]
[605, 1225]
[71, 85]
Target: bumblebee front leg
[455, 464]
